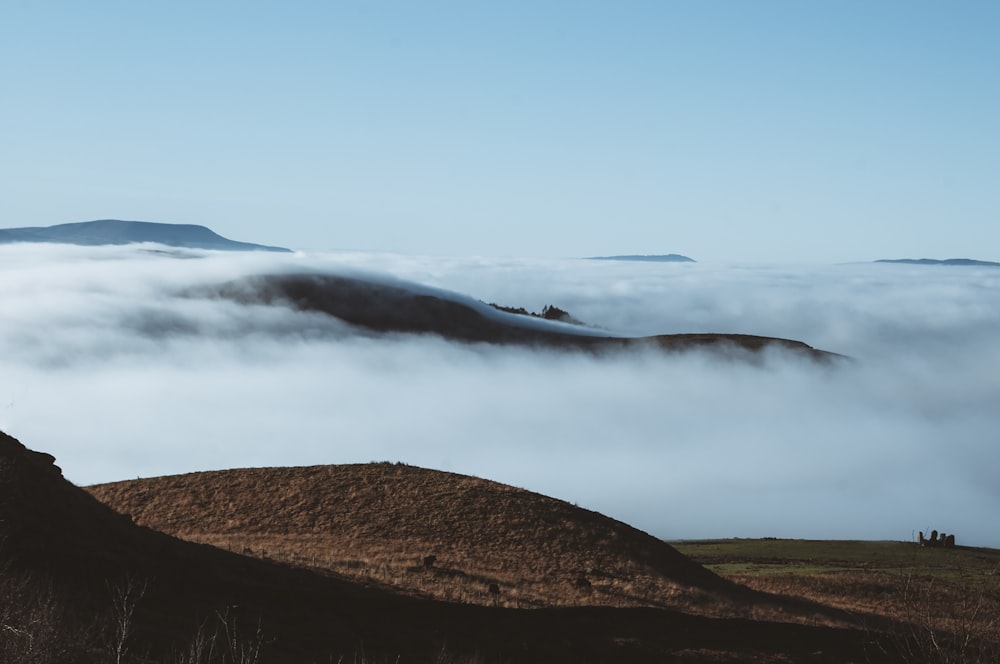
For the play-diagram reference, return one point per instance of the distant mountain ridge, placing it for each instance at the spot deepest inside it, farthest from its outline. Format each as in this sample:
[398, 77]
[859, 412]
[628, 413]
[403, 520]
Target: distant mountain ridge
[935, 261]
[118, 232]
[646, 258]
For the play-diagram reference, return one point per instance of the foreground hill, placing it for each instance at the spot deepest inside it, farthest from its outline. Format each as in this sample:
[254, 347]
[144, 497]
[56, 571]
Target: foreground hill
[117, 232]
[392, 306]
[82, 584]
[380, 521]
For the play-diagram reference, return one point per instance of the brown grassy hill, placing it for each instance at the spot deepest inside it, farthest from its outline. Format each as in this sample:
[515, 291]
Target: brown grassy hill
[64, 556]
[378, 522]
[67, 561]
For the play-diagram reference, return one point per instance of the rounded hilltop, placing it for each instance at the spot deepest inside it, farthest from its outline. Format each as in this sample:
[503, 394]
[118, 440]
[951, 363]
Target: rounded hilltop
[378, 522]
[67, 557]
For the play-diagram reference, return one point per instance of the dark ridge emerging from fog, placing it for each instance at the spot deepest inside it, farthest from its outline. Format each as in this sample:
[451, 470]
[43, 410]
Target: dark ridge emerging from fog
[646, 258]
[118, 232]
[935, 261]
[400, 307]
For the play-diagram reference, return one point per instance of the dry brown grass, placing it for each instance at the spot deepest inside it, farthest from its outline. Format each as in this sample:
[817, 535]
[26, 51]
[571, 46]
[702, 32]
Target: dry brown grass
[956, 620]
[376, 523]
[56, 535]
[937, 604]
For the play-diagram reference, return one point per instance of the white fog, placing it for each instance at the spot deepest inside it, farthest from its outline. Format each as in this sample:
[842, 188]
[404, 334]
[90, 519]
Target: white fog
[106, 365]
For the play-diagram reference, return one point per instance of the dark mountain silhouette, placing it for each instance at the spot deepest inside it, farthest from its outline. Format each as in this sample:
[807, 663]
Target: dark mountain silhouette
[63, 546]
[934, 261]
[646, 258]
[400, 307]
[116, 231]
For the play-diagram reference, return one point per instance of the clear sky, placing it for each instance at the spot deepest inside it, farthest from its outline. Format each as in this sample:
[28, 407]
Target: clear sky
[743, 130]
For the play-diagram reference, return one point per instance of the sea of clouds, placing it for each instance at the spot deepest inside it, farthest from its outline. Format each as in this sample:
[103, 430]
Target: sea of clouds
[110, 363]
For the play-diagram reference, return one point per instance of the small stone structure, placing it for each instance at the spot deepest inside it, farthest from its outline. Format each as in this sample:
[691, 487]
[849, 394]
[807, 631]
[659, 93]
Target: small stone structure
[936, 540]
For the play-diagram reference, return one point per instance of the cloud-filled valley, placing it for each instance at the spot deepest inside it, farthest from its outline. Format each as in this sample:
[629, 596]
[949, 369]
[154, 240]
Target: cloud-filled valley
[111, 361]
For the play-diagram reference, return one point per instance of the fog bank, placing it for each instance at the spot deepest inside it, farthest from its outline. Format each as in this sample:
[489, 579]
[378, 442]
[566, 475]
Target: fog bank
[106, 363]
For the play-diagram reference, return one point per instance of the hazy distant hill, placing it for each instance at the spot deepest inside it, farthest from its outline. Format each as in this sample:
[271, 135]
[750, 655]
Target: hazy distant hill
[646, 258]
[116, 231]
[934, 261]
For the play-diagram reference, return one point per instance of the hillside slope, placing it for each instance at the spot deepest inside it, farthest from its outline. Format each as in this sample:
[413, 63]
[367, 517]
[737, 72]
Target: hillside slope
[66, 557]
[379, 522]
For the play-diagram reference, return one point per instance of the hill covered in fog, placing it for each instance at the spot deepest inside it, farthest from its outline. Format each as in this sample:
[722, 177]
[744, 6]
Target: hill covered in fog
[395, 306]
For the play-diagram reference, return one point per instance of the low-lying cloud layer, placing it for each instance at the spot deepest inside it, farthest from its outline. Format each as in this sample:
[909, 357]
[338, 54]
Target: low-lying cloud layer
[107, 364]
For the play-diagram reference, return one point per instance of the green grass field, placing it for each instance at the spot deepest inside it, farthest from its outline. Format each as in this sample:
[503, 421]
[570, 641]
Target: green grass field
[964, 566]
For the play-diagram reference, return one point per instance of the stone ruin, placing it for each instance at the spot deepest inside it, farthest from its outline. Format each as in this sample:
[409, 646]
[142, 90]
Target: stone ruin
[936, 540]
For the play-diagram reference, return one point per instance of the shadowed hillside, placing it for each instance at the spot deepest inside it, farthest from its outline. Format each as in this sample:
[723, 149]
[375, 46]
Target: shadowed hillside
[72, 568]
[380, 521]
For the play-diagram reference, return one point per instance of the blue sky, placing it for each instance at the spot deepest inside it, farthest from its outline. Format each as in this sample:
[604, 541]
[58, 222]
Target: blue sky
[726, 131]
